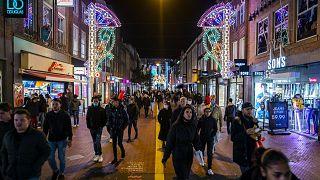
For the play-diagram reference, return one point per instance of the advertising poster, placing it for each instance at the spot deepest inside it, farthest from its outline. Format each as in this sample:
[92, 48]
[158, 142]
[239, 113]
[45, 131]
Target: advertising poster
[278, 118]
[18, 94]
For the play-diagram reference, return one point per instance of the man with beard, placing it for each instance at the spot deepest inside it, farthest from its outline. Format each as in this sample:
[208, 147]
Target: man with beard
[243, 127]
[117, 123]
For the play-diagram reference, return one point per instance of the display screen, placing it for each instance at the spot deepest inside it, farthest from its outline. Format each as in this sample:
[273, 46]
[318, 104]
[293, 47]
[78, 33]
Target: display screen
[29, 84]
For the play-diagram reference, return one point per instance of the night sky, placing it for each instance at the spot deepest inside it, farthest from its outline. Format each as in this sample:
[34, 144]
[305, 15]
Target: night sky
[142, 27]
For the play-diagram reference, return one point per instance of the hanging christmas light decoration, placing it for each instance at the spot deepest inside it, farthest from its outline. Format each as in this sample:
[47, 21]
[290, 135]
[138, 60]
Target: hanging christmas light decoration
[107, 40]
[216, 23]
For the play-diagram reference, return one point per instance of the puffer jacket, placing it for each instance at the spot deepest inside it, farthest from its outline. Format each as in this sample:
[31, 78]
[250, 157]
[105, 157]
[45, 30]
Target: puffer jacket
[118, 120]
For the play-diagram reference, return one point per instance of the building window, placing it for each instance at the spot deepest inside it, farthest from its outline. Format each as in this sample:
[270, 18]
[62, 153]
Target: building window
[242, 11]
[281, 26]
[83, 44]
[29, 21]
[262, 38]
[75, 40]
[61, 30]
[47, 22]
[235, 24]
[75, 7]
[83, 10]
[241, 48]
[235, 50]
[307, 18]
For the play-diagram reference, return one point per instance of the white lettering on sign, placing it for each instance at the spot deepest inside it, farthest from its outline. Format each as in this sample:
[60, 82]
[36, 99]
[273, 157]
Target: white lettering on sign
[277, 63]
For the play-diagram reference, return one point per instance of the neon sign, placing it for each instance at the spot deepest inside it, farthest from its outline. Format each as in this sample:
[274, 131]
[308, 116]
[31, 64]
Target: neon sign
[15, 8]
[56, 66]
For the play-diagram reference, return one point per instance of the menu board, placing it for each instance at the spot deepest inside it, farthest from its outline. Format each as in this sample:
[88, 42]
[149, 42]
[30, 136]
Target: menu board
[278, 115]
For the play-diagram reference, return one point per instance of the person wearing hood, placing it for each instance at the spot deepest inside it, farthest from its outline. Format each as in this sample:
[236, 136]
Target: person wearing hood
[181, 140]
[96, 120]
[75, 104]
[229, 114]
[117, 123]
[164, 118]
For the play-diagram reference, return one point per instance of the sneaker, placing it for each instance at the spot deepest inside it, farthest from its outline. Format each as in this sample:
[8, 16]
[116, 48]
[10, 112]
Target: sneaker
[55, 175]
[77, 125]
[110, 141]
[100, 160]
[96, 158]
[74, 126]
[114, 161]
[210, 172]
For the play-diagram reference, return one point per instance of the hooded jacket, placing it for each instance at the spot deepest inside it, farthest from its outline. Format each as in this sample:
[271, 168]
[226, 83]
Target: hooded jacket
[207, 127]
[96, 117]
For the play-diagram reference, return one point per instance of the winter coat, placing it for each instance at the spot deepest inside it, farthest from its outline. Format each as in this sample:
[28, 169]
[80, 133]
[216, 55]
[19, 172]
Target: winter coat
[118, 120]
[243, 144]
[23, 154]
[207, 127]
[181, 140]
[230, 111]
[138, 100]
[217, 114]
[34, 106]
[42, 105]
[133, 112]
[146, 102]
[175, 115]
[96, 117]
[4, 128]
[164, 118]
[75, 103]
[64, 103]
[57, 126]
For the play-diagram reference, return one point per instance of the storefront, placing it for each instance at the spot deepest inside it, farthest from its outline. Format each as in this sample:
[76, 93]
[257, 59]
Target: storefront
[80, 86]
[236, 91]
[48, 77]
[298, 85]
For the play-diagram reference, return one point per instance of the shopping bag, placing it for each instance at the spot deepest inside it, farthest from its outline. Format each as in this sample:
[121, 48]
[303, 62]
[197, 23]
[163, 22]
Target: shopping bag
[199, 157]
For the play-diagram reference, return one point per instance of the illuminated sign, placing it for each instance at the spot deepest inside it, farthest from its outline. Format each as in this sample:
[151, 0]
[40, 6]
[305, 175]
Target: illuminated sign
[15, 8]
[244, 70]
[240, 62]
[56, 66]
[259, 73]
[313, 80]
[97, 75]
[65, 3]
[79, 70]
[277, 63]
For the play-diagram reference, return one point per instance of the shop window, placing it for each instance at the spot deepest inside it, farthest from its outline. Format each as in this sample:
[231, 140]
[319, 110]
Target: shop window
[281, 26]
[241, 48]
[235, 50]
[83, 10]
[61, 30]
[262, 38]
[234, 26]
[75, 40]
[83, 44]
[242, 11]
[307, 18]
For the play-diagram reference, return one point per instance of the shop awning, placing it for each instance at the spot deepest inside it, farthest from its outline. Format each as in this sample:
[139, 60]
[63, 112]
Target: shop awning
[49, 76]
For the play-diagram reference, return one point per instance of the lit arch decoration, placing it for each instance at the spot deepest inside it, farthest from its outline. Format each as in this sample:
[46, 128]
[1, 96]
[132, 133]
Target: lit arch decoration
[216, 23]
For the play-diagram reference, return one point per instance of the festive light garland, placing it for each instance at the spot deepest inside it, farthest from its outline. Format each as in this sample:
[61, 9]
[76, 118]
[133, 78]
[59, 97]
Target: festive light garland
[92, 40]
[218, 17]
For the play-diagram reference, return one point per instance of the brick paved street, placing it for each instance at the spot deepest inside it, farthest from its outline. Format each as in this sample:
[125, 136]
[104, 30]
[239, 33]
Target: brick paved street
[140, 161]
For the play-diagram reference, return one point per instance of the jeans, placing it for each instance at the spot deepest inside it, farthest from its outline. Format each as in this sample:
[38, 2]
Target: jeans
[61, 146]
[134, 123]
[96, 138]
[117, 137]
[76, 117]
[229, 121]
[209, 144]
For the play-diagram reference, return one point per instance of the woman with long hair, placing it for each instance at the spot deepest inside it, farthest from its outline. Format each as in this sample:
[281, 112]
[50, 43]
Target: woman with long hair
[181, 140]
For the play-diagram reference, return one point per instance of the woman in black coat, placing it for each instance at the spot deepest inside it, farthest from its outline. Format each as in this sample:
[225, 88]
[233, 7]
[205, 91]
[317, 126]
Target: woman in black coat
[164, 118]
[182, 138]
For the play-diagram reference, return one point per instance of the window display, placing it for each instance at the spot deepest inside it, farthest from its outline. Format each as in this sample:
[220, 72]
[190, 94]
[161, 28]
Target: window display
[281, 26]
[307, 18]
[262, 38]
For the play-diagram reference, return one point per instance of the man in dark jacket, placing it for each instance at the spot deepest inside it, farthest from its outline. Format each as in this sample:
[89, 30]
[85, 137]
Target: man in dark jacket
[243, 145]
[33, 107]
[117, 123]
[176, 113]
[146, 104]
[6, 123]
[96, 120]
[57, 125]
[208, 128]
[229, 114]
[133, 112]
[24, 149]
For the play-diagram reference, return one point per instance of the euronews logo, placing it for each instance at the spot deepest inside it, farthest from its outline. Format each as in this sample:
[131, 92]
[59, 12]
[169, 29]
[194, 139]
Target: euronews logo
[15, 8]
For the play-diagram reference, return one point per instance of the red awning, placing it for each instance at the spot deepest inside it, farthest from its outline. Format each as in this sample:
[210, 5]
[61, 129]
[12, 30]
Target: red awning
[50, 76]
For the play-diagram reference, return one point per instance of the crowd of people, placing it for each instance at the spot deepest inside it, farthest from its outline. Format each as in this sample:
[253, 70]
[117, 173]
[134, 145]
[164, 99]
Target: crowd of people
[190, 124]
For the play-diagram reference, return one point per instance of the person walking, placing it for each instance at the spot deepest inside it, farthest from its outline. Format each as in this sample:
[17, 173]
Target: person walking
[182, 138]
[207, 126]
[164, 118]
[49, 102]
[6, 124]
[133, 112]
[33, 107]
[146, 105]
[75, 107]
[118, 121]
[24, 149]
[57, 126]
[96, 120]
[243, 145]
[108, 112]
[42, 109]
[138, 100]
[229, 114]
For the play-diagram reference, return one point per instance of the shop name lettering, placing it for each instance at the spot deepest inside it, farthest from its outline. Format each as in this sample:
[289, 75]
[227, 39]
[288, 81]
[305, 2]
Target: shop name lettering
[56, 66]
[13, 7]
[279, 62]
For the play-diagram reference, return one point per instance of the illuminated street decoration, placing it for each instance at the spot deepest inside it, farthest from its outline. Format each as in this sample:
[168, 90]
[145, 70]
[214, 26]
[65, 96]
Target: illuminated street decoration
[159, 79]
[216, 23]
[107, 40]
